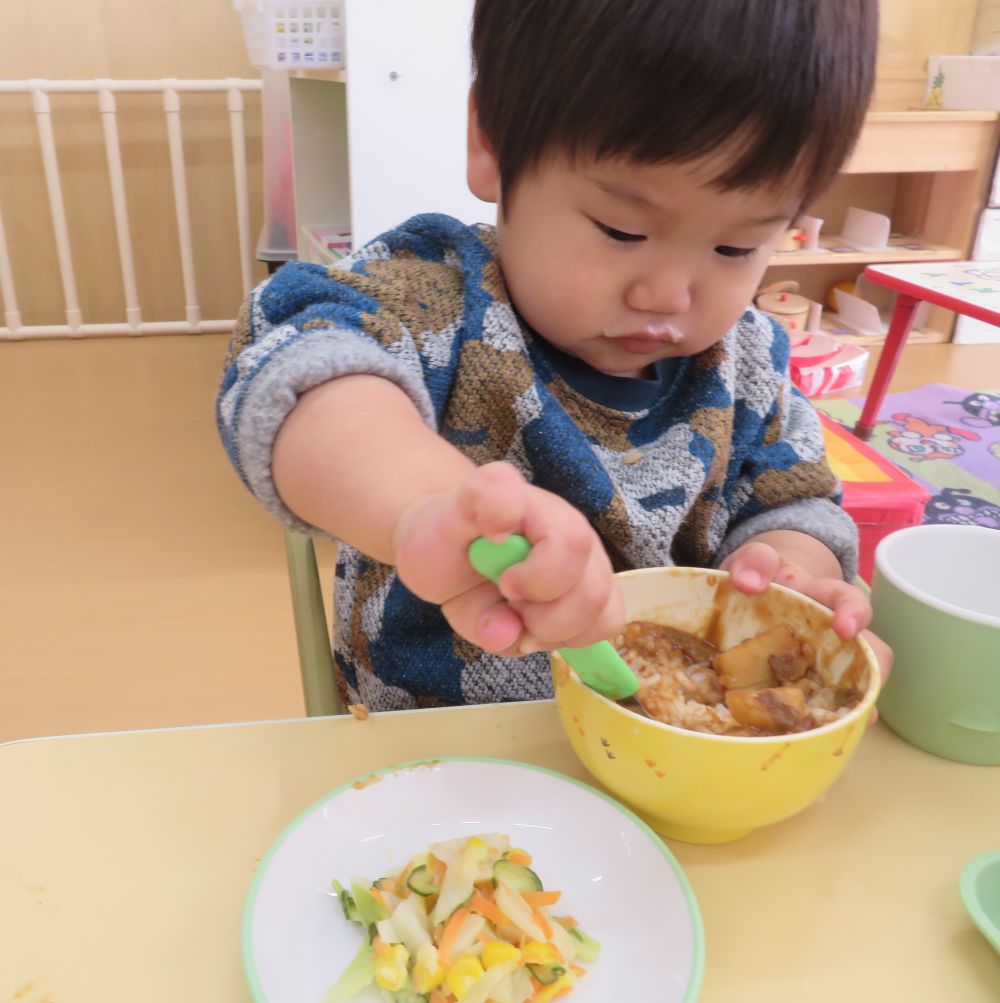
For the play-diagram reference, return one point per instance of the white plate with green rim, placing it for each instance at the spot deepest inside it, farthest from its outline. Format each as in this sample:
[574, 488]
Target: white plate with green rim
[621, 883]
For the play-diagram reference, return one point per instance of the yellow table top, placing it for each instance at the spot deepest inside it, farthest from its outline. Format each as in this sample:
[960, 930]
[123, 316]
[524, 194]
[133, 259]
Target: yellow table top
[125, 859]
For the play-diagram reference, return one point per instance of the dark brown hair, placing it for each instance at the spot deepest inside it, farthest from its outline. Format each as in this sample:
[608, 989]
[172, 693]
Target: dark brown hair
[777, 89]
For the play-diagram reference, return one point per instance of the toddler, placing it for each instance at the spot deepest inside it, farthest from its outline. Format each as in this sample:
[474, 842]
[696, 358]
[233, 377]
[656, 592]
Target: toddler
[587, 372]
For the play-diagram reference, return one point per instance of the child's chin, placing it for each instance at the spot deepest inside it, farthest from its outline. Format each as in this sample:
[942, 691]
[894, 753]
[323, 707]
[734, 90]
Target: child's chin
[624, 371]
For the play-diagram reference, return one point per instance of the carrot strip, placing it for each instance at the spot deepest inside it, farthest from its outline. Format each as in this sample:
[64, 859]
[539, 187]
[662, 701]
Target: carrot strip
[402, 889]
[568, 921]
[439, 868]
[578, 971]
[520, 857]
[437, 997]
[458, 917]
[543, 923]
[376, 893]
[536, 899]
[488, 910]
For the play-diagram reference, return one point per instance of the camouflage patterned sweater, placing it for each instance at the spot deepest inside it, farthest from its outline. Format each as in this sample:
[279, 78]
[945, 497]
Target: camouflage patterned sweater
[681, 469]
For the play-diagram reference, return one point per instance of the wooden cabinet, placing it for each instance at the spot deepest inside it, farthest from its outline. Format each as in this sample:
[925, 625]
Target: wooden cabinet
[928, 171]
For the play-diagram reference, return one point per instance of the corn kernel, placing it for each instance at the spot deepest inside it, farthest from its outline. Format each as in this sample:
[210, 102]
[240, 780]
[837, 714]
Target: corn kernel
[499, 952]
[390, 966]
[425, 980]
[536, 952]
[561, 985]
[463, 975]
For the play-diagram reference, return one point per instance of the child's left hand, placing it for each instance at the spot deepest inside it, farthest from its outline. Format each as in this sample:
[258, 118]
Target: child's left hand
[755, 565]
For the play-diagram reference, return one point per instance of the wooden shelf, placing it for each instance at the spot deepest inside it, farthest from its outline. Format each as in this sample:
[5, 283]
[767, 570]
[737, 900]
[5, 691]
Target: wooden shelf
[337, 76]
[837, 253]
[832, 324]
[924, 141]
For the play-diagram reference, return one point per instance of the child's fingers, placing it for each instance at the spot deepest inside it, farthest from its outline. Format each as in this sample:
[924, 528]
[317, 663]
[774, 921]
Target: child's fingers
[491, 502]
[883, 653]
[433, 539]
[852, 611]
[753, 567]
[563, 545]
[608, 622]
[482, 616]
[579, 611]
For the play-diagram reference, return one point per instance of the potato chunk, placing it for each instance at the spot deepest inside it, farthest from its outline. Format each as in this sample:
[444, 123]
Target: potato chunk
[774, 710]
[749, 663]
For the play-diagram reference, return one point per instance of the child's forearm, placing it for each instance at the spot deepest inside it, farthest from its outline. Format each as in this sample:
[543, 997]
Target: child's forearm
[354, 455]
[806, 551]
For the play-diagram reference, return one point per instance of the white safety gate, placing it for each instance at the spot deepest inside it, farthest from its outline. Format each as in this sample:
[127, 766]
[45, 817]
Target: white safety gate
[104, 92]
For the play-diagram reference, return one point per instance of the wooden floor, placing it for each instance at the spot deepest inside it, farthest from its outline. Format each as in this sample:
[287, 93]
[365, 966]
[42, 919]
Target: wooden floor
[140, 585]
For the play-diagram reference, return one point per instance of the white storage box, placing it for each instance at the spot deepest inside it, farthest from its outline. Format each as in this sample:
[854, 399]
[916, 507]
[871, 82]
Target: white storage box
[963, 83]
[286, 35]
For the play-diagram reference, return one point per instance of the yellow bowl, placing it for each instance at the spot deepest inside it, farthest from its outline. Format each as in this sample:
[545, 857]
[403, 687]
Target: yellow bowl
[705, 788]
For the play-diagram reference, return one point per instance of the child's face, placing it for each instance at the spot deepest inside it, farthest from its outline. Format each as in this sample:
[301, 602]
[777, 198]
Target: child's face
[624, 264]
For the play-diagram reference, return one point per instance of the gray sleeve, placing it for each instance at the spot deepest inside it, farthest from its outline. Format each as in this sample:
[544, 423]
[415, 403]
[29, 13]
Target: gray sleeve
[819, 517]
[785, 481]
[264, 381]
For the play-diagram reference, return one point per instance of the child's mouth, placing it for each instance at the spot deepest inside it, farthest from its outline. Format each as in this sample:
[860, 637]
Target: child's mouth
[647, 341]
[641, 344]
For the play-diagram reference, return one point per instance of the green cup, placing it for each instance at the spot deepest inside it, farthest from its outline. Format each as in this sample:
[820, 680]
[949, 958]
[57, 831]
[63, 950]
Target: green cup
[936, 597]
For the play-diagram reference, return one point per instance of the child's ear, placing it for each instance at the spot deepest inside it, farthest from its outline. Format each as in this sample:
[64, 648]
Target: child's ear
[482, 168]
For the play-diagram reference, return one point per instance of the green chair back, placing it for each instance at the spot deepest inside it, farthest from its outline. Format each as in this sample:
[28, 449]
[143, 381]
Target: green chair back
[319, 685]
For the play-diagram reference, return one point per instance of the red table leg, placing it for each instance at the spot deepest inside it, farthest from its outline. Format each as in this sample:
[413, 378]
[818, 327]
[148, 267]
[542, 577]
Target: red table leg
[899, 328]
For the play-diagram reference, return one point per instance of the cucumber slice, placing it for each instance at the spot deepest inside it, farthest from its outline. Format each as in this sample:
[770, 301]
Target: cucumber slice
[521, 879]
[547, 974]
[423, 881]
[587, 949]
[347, 902]
[385, 885]
[369, 911]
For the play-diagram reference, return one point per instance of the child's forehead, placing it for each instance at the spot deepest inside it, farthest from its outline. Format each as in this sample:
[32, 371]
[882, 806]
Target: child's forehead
[670, 186]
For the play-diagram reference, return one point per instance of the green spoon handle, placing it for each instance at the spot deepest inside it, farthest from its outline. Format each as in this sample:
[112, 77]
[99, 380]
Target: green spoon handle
[599, 666]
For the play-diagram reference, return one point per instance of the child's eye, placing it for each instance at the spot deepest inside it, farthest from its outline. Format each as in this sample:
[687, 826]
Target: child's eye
[735, 252]
[619, 235]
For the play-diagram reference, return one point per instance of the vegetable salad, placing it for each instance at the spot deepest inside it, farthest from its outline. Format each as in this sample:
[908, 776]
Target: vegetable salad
[467, 921]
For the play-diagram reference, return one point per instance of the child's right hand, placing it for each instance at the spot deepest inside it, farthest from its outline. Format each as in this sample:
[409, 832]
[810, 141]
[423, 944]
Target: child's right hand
[562, 595]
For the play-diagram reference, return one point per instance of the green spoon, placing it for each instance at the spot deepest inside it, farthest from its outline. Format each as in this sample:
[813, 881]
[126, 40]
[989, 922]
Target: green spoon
[599, 666]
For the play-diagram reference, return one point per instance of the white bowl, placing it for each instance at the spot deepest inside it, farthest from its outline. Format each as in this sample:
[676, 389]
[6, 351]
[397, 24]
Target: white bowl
[617, 878]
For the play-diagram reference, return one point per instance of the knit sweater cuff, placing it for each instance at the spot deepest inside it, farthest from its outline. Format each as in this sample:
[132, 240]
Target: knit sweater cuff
[820, 518]
[255, 408]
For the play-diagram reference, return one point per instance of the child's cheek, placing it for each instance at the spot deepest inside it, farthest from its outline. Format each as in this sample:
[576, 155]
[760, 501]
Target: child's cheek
[588, 283]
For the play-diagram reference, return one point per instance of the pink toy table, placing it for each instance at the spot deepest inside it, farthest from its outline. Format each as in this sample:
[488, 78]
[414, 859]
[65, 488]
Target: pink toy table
[969, 287]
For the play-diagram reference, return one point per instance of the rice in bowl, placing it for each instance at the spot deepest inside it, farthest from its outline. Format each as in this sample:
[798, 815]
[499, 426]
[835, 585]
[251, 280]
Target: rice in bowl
[768, 684]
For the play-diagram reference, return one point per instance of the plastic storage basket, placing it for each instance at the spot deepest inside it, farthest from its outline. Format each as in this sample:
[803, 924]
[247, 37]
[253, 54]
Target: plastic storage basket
[283, 35]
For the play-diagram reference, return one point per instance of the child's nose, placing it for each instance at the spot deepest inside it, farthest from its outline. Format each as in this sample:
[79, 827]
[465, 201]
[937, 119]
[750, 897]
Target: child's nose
[666, 291]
